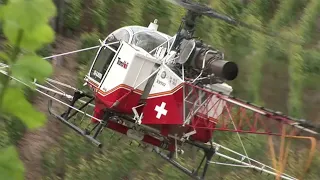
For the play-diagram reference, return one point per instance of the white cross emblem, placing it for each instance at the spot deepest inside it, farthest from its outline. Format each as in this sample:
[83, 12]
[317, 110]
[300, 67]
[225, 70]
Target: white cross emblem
[161, 110]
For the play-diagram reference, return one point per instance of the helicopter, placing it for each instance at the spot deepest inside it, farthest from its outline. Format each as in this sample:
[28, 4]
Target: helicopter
[167, 91]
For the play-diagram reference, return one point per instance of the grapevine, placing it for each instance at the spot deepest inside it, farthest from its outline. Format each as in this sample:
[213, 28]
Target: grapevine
[25, 24]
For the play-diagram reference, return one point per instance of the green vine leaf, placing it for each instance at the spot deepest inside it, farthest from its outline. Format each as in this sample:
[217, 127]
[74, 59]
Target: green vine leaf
[25, 26]
[4, 57]
[40, 36]
[10, 165]
[15, 104]
[33, 40]
[29, 67]
[27, 15]
[1, 12]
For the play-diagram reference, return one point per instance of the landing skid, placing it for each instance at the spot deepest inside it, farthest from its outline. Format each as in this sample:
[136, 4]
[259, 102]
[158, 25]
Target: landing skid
[208, 154]
[66, 116]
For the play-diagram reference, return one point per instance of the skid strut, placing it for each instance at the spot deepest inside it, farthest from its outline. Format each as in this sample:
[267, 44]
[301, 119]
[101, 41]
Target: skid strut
[64, 118]
[208, 154]
[77, 95]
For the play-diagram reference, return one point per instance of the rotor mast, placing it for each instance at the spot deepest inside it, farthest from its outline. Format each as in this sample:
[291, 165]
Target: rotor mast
[187, 28]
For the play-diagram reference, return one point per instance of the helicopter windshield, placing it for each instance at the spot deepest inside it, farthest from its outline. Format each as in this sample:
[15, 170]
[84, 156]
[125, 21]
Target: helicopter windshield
[121, 34]
[148, 39]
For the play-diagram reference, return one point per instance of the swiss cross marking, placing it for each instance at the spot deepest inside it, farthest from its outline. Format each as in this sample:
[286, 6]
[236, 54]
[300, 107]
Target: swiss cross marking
[161, 110]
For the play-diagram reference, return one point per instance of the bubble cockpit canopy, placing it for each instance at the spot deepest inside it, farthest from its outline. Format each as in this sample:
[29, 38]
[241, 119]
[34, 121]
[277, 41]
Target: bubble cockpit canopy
[143, 37]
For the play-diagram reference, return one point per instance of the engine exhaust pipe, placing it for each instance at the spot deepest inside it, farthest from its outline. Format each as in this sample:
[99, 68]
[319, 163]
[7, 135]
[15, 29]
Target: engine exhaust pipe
[225, 69]
[214, 64]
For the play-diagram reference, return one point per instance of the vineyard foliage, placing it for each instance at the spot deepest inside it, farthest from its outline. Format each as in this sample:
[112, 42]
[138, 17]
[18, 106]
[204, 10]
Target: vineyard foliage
[273, 73]
[25, 27]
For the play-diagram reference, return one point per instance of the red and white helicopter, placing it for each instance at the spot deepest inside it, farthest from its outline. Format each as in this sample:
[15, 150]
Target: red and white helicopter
[167, 91]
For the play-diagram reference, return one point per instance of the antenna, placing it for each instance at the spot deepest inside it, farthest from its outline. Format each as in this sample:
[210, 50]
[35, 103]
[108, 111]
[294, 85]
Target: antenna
[153, 25]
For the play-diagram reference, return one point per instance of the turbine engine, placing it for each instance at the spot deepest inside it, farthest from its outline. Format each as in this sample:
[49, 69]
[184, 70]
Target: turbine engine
[202, 60]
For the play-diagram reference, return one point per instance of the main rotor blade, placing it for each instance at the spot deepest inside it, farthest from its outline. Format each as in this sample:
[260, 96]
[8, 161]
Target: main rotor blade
[207, 11]
[191, 5]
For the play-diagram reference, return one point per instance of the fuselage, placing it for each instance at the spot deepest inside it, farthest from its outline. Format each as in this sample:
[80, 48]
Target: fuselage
[131, 74]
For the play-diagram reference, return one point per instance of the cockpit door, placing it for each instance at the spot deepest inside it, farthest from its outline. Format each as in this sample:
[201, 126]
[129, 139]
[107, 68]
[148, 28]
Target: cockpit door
[101, 64]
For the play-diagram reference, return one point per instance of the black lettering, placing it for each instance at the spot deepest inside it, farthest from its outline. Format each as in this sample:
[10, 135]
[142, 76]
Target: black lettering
[161, 83]
[123, 64]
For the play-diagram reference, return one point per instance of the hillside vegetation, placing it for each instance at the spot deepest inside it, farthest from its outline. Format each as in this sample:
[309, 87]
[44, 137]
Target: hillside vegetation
[273, 73]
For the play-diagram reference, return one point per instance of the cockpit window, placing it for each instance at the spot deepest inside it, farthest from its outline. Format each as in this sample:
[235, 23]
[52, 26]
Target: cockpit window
[101, 64]
[148, 40]
[136, 29]
[122, 34]
[142, 37]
